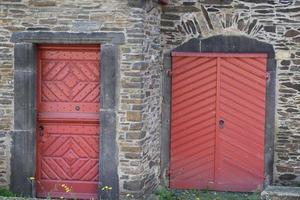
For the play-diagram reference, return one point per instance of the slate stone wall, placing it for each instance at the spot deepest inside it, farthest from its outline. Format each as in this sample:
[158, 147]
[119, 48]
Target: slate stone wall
[4, 158]
[276, 22]
[138, 87]
[140, 91]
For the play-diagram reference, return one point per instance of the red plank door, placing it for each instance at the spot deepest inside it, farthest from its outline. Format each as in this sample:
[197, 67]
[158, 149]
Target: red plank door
[68, 121]
[217, 121]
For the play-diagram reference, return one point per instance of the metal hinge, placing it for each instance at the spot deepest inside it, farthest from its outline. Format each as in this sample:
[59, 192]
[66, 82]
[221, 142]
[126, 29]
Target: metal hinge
[168, 172]
[169, 72]
[267, 75]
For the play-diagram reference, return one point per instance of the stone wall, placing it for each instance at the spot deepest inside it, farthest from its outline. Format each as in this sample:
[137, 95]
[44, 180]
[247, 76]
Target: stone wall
[152, 101]
[4, 159]
[138, 85]
[139, 156]
[274, 22]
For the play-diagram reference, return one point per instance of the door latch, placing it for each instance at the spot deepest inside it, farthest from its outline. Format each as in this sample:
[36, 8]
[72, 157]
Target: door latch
[41, 132]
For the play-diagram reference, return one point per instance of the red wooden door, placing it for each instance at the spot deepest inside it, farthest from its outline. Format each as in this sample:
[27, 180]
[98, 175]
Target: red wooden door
[217, 121]
[68, 121]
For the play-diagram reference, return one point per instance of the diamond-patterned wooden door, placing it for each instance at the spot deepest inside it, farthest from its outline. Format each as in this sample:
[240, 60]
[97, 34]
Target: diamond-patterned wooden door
[218, 121]
[68, 121]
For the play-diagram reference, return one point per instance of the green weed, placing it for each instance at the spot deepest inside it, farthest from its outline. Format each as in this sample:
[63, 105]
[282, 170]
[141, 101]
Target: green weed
[6, 193]
[165, 194]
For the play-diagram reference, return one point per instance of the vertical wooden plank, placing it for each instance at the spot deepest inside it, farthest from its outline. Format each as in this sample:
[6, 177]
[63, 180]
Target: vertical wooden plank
[242, 106]
[218, 118]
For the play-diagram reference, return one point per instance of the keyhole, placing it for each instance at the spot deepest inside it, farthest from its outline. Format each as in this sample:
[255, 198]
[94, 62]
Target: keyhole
[221, 124]
[77, 108]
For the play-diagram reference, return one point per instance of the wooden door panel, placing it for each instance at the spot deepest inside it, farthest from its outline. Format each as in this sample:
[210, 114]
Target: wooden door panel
[69, 152]
[69, 81]
[193, 114]
[206, 89]
[68, 121]
[240, 161]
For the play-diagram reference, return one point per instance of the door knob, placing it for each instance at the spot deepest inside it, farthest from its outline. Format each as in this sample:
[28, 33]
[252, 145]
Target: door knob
[221, 123]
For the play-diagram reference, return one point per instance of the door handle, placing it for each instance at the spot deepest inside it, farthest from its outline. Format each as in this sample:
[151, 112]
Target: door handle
[221, 124]
[41, 132]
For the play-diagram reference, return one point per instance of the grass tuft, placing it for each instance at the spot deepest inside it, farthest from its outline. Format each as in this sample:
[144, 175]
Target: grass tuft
[6, 193]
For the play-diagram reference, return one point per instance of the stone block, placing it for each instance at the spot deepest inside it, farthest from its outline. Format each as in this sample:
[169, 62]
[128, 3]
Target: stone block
[132, 149]
[43, 3]
[133, 116]
[135, 135]
[108, 154]
[48, 21]
[133, 156]
[287, 177]
[280, 193]
[24, 100]
[85, 26]
[136, 126]
[180, 9]
[291, 33]
[24, 57]
[170, 17]
[218, 2]
[108, 67]
[68, 37]
[134, 185]
[22, 162]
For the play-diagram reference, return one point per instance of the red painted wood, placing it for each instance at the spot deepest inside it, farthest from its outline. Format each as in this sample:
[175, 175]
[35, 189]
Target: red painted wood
[241, 141]
[68, 109]
[207, 88]
[193, 116]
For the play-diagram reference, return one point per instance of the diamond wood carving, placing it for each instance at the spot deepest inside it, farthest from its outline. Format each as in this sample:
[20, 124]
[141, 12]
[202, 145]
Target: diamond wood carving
[68, 121]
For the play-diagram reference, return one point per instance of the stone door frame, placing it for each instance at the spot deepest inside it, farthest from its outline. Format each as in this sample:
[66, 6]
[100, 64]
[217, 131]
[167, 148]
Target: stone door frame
[223, 44]
[23, 150]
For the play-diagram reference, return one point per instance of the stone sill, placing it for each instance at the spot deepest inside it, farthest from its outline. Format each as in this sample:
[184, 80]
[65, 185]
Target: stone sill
[281, 193]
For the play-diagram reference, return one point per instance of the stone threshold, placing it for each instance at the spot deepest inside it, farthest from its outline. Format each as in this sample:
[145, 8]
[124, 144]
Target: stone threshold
[281, 193]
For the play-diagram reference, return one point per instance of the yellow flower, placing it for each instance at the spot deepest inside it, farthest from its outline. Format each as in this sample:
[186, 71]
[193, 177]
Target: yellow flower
[66, 188]
[105, 188]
